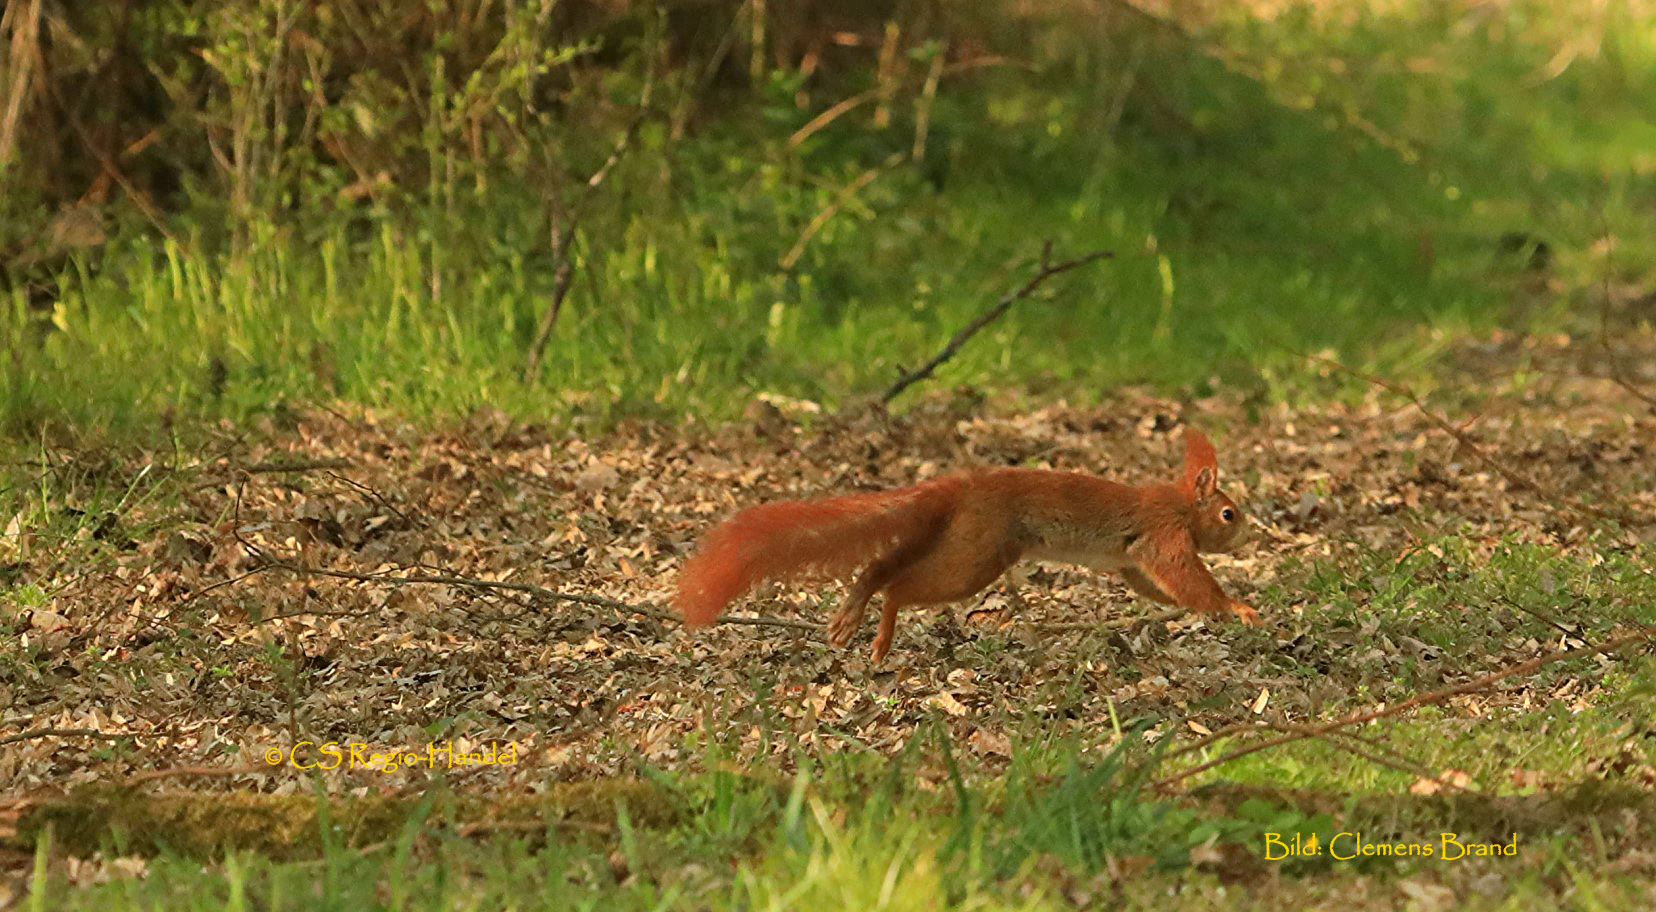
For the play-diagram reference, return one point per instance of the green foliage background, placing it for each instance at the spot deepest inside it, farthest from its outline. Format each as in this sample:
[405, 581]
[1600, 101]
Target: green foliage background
[223, 210]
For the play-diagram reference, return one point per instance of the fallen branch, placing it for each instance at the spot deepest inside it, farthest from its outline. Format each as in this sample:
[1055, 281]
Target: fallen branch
[1476, 685]
[1048, 270]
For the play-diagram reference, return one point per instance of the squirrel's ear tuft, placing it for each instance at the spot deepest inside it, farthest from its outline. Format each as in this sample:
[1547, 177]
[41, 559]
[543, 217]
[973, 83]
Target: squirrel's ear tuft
[1201, 473]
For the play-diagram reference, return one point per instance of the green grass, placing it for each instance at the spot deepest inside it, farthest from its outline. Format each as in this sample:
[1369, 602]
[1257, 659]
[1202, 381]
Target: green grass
[1066, 822]
[1253, 209]
[1059, 828]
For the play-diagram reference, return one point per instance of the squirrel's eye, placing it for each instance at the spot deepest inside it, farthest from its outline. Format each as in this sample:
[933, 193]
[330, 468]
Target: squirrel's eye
[1227, 514]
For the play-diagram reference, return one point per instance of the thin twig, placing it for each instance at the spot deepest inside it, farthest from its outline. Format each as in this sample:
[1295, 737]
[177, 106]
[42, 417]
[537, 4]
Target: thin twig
[1618, 373]
[1112, 624]
[1361, 747]
[883, 93]
[268, 562]
[229, 581]
[35, 733]
[540, 592]
[113, 170]
[1048, 270]
[303, 465]
[377, 496]
[271, 468]
[1476, 685]
[99, 189]
[1551, 497]
[563, 236]
[832, 114]
[184, 772]
[1380, 746]
[923, 108]
[1545, 619]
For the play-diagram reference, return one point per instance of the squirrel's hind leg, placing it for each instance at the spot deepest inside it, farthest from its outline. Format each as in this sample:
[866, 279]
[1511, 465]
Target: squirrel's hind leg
[843, 625]
[944, 575]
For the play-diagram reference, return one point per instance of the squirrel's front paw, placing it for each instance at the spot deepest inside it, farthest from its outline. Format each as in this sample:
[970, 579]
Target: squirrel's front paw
[1245, 614]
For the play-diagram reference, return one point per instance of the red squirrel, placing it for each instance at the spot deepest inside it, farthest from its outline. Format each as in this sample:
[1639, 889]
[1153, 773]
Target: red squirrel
[949, 539]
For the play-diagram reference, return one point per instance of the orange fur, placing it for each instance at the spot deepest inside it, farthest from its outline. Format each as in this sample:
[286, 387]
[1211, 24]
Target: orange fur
[830, 537]
[949, 539]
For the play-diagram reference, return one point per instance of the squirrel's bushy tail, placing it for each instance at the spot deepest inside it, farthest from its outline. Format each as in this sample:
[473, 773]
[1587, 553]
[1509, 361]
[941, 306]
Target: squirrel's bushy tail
[833, 537]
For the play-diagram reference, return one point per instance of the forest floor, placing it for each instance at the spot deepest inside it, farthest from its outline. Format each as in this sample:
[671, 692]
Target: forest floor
[200, 614]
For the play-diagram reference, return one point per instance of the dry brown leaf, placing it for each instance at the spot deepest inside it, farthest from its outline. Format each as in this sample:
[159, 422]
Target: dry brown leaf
[946, 701]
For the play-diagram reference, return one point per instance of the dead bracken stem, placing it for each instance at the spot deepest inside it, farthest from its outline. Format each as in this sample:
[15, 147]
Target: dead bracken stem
[846, 194]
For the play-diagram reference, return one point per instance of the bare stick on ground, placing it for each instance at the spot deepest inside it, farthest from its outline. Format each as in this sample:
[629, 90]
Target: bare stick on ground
[268, 562]
[530, 589]
[1113, 623]
[36, 733]
[1048, 270]
[1553, 498]
[1477, 685]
